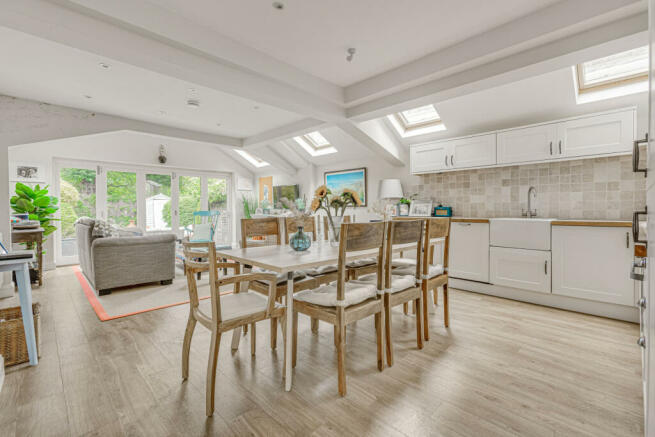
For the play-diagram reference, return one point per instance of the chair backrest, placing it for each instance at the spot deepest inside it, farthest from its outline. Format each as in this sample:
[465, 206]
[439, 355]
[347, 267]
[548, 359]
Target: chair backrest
[401, 233]
[355, 237]
[204, 226]
[435, 227]
[291, 225]
[326, 236]
[260, 227]
[193, 254]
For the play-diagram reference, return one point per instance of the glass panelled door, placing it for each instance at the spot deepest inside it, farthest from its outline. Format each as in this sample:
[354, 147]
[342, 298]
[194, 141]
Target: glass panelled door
[190, 200]
[77, 198]
[121, 198]
[158, 196]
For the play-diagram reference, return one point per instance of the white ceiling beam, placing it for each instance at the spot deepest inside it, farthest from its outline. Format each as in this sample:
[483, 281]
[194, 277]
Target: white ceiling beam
[117, 41]
[291, 150]
[267, 153]
[27, 121]
[300, 127]
[375, 136]
[545, 25]
[610, 38]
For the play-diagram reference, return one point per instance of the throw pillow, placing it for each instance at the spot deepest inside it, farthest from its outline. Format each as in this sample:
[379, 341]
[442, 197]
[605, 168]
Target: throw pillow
[102, 229]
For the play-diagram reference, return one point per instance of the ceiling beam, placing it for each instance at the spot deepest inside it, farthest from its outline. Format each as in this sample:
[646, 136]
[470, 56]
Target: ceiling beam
[267, 153]
[553, 22]
[123, 43]
[300, 127]
[375, 136]
[29, 122]
[610, 38]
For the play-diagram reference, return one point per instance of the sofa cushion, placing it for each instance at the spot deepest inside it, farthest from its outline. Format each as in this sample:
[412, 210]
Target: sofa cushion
[103, 229]
[326, 295]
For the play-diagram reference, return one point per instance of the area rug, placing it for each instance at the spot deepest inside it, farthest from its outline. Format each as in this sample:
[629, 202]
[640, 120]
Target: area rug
[129, 301]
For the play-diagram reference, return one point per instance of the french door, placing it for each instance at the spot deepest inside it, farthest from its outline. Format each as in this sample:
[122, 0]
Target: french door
[150, 198]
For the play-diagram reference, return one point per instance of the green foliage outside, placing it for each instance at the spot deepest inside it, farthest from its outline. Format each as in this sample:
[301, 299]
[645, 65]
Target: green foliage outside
[37, 204]
[78, 197]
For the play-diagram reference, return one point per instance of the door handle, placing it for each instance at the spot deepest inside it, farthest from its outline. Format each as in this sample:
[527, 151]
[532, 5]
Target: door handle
[451, 159]
[642, 341]
[635, 156]
[446, 160]
[627, 240]
[551, 147]
[546, 267]
[560, 147]
[635, 225]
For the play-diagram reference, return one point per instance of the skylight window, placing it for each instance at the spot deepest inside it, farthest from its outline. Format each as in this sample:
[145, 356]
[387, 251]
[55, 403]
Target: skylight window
[252, 159]
[417, 121]
[315, 144]
[614, 70]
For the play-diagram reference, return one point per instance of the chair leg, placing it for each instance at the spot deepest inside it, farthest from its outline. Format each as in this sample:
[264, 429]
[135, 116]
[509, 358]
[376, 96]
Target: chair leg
[336, 335]
[253, 339]
[341, 357]
[186, 346]
[236, 338]
[414, 307]
[387, 329]
[378, 339]
[283, 325]
[435, 295]
[211, 371]
[294, 350]
[273, 333]
[314, 325]
[245, 329]
[420, 307]
[406, 308]
[446, 316]
[426, 316]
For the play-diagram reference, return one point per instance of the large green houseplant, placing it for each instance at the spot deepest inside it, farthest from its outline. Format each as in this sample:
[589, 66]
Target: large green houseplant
[37, 204]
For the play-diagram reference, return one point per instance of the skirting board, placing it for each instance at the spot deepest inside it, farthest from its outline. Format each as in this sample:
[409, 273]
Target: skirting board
[619, 312]
[2, 372]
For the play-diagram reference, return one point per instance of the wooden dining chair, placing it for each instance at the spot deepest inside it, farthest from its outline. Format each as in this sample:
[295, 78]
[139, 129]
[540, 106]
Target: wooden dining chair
[433, 275]
[226, 312]
[342, 303]
[358, 267]
[269, 227]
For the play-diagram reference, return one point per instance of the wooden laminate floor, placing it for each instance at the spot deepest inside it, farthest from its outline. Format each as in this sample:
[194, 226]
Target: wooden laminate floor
[503, 368]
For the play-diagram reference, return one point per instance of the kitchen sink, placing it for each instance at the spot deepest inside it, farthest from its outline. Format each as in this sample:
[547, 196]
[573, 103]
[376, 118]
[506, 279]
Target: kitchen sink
[520, 233]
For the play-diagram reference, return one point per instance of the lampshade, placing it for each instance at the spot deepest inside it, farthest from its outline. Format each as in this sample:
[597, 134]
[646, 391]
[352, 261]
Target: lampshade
[390, 189]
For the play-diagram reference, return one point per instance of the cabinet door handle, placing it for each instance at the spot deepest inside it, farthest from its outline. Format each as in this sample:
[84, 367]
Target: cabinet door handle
[551, 147]
[560, 147]
[446, 160]
[635, 225]
[627, 240]
[546, 267]
[642, 341]
[635, 156]
[451, 159]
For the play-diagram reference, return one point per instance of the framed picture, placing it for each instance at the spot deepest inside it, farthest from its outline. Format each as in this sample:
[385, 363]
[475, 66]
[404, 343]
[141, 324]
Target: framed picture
[403, 209]
[420, 208]
[266, 189]
[355, 179]
[244, 184]
[21, 172]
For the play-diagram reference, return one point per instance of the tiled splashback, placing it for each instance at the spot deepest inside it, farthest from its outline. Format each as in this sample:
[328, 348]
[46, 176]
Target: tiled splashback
[599, 188]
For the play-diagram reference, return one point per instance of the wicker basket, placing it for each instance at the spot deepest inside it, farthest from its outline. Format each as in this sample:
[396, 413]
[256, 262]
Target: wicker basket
[12, 335]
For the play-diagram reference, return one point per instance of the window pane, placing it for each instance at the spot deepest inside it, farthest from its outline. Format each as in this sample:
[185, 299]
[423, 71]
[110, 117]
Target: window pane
[318, 139]
[77, 198]
[420, 115]
[158, 202]
[189, 199]
[616, 67]
[217, 192]
[121, 198]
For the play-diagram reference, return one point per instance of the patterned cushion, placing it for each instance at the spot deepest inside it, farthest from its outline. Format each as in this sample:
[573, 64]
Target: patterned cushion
[326, 295]
[102, 228]
[432, 271]
[398, 283]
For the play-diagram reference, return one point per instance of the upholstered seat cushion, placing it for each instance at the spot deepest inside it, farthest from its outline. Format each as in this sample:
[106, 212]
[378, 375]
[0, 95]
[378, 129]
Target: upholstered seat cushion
[403, 262]
[237, 305]
[321, 270]
[281, 277]
[398, 283]
[361, 262]
[326, 295]
[433, 270]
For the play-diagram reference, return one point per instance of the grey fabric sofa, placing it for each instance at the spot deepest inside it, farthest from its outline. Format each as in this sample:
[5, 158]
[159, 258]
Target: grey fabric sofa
[113, 262]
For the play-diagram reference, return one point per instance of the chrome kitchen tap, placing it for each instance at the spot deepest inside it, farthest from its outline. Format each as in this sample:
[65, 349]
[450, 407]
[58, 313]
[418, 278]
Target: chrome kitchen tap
[530, 212]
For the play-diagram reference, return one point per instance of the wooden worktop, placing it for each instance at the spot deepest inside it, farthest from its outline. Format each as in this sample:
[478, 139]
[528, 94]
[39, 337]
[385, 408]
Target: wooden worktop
[469, 220]
[600, 223]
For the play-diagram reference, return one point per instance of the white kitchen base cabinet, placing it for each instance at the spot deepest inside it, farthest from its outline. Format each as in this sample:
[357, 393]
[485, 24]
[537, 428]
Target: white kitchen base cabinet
[468, 255]
[594, 263]
[520, 268]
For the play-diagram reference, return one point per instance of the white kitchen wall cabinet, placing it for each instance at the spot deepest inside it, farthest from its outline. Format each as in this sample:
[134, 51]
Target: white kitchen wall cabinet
[530, 144]
[468, 255]
[520, 268]
[593, 262]
[466, 152]
[429, 157]
[608, 133]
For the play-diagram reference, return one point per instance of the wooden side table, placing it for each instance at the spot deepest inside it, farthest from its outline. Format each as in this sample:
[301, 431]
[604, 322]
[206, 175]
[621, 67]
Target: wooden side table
[31, 236]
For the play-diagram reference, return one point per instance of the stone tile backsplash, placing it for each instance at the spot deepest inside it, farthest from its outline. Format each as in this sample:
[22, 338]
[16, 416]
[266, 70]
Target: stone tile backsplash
[598, 188]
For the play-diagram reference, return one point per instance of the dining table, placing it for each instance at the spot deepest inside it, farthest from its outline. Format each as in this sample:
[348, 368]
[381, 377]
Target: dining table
[282, 259]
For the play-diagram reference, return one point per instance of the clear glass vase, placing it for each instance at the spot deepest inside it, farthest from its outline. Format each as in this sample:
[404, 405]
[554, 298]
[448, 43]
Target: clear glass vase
[334, 229]
[300, 241]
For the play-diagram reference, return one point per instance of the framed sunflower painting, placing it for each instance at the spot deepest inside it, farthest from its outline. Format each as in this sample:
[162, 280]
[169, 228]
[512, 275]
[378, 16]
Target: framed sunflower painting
[354, 179]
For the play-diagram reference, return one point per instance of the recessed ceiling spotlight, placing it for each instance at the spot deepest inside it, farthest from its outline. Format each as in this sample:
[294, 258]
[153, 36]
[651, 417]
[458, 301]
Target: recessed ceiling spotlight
[88, 97]
[255, 107]
[218, 124]
[193, 103]
[278, 5]
[162, 112]
[351, 54]
[104, 65]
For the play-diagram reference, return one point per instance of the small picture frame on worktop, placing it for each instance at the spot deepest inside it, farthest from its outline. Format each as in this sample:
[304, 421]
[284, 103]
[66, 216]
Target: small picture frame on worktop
[420, 208]
[403, 209]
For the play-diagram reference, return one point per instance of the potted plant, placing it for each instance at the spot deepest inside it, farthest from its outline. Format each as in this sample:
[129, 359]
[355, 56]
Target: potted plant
[39, 206]
[325, 200]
